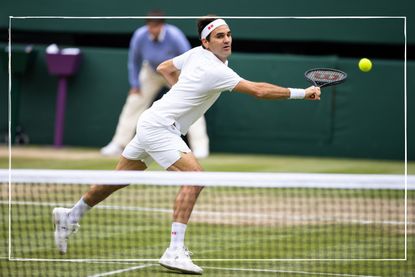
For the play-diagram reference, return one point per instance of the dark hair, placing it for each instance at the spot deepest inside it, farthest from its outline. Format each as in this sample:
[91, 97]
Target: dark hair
[155, 13]
[203, 22]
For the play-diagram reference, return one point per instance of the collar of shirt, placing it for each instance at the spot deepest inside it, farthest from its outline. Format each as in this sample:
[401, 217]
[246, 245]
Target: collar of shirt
[213, 56]
[161, 36]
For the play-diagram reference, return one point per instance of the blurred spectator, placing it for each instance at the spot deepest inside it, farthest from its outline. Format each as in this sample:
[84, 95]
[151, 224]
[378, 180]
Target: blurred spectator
[151, 45]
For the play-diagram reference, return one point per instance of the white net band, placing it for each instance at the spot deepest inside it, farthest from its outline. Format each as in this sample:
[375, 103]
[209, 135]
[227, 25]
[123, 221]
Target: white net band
[216, 179]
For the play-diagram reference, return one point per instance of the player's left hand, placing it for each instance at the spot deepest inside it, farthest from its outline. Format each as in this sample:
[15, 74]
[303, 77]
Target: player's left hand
[312, 93]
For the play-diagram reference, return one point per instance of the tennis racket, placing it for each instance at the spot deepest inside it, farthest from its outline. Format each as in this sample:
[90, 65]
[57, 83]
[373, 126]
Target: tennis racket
[324, 77]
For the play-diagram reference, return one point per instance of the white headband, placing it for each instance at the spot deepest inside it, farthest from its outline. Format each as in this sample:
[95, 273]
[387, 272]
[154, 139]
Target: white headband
[212, 26]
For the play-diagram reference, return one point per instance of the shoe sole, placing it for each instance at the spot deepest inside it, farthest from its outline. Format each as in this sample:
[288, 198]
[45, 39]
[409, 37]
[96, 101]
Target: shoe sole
[181, 270]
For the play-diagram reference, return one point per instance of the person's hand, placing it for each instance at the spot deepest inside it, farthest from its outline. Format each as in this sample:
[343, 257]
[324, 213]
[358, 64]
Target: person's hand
[134, 91]
[312, 93]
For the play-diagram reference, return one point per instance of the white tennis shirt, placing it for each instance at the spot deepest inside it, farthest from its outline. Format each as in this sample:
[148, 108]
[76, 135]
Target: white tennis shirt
[202, 79]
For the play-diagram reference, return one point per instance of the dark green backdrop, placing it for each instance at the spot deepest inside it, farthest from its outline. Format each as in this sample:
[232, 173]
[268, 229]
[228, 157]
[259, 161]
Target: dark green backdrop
[369, 30]
[362, 118]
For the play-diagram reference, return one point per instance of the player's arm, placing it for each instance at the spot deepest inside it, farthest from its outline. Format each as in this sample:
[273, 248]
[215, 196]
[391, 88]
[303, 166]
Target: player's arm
[169, 71]
[269, 91]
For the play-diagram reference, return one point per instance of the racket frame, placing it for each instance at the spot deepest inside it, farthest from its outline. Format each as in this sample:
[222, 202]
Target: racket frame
[325, 84]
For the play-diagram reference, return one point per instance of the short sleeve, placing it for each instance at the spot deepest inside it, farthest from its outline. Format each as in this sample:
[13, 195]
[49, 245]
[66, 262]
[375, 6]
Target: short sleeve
[226, 79]
[180, 60]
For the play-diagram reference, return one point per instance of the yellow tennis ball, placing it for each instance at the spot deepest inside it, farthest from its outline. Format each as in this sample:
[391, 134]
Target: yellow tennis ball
[365, 65]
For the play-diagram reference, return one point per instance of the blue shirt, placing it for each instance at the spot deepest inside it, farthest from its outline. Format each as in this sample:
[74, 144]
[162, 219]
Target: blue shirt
[172, 43]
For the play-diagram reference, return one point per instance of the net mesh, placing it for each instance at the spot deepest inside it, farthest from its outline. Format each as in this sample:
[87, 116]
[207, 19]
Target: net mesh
[289, 217]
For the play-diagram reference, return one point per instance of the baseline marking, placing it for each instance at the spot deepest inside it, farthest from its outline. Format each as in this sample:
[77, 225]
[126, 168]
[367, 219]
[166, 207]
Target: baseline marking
[121, 270]
[287, 271]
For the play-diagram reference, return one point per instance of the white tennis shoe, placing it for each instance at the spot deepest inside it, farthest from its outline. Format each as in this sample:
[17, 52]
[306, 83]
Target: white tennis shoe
[63, 228]
[179, 259]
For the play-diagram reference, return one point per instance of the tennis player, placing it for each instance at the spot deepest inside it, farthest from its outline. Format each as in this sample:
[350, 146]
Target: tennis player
[197, 78]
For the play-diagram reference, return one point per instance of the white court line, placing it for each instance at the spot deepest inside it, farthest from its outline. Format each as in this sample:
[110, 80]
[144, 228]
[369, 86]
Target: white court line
[121, 270]
[238, 269]
[268, 216]
[112, 260]
[287, 271]
[77, 260]
[205, 267]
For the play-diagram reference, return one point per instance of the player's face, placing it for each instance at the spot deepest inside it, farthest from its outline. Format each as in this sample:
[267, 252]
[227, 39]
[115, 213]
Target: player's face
[220, 42]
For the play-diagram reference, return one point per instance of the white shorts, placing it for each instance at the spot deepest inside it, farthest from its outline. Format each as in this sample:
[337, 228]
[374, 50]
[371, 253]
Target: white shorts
[162, 144]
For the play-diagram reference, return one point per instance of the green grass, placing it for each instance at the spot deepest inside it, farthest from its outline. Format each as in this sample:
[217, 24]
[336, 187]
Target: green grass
[215, 162]
[135, 234]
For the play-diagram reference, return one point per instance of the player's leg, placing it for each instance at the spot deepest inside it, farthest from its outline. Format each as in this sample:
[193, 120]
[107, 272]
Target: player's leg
[177, 256]
[168, 149]
[66, 220]
[98, 193]
[187, 195]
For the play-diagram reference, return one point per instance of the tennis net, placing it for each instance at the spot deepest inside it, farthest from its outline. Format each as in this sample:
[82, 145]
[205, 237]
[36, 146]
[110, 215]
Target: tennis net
[238, 216]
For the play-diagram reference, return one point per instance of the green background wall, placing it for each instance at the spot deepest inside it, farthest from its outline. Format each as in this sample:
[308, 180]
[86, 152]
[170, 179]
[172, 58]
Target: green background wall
[370, 30]
[287, 29]
[362, 118]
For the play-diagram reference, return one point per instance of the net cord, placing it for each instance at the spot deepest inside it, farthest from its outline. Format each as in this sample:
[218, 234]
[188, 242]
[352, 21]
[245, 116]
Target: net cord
[214, 179]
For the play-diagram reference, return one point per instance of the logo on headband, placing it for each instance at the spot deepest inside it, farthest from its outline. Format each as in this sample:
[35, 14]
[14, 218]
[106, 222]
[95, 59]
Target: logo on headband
[210, 26]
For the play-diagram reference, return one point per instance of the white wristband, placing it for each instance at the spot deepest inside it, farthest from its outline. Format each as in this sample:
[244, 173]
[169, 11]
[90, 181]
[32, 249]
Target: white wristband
[297, 93]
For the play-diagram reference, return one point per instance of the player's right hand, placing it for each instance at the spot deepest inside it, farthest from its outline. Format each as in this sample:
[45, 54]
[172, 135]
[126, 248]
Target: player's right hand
[312, 93]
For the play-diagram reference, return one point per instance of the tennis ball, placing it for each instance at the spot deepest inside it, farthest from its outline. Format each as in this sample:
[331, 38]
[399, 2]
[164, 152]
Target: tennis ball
[365, 65]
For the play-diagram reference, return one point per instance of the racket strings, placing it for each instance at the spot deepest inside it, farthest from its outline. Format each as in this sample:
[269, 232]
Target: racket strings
[325, 76]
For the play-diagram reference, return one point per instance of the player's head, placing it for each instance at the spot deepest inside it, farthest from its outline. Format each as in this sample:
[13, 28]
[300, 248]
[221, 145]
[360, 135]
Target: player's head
[215, 36]
[155, 22]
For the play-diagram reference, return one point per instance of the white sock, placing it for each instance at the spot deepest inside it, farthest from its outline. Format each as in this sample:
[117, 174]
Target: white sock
[78, 211]
[178, 231]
